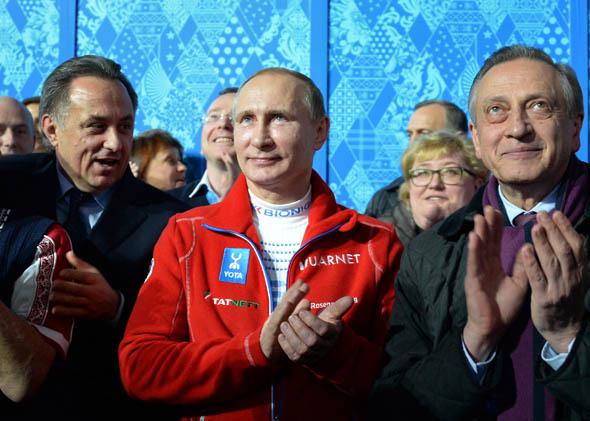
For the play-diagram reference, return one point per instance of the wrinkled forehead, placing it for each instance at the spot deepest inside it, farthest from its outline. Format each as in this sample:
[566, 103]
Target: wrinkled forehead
[519, 78]
[222, 103]
[432, 117]
[271, 90]
[11, 112]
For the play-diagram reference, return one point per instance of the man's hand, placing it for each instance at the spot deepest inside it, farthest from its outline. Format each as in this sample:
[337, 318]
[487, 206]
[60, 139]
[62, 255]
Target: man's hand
[557, 279]
[271, 329]
[82, 292]
[493, 298]
[232, 171]
[306, 337]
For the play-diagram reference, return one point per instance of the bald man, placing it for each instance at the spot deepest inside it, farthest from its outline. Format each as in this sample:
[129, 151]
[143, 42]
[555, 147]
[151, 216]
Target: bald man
[17, 133]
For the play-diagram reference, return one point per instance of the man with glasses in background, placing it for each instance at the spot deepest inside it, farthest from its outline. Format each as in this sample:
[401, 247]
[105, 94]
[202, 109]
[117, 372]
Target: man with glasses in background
[217, 145]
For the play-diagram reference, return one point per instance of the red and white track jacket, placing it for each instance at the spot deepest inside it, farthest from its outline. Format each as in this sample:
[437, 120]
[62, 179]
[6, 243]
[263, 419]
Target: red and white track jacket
[193, 338]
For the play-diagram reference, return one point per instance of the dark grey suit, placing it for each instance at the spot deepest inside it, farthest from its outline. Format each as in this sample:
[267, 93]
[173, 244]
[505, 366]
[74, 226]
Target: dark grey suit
[120, 247]
[182, 193]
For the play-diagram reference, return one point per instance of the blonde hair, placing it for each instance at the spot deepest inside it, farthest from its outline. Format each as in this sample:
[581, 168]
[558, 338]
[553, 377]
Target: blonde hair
[436, 145]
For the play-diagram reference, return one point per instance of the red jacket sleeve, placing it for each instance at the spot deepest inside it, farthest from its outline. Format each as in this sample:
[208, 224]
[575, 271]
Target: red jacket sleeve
[356, 359]
[162, 358]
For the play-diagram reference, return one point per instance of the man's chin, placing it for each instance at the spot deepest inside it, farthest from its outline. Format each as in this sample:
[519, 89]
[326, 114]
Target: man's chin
[102, 183]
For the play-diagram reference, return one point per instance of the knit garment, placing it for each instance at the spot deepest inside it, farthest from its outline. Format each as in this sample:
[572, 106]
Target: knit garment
[280, 229]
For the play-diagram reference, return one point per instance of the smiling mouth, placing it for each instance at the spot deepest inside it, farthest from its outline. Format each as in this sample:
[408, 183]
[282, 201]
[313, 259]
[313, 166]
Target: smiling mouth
[264, 160]
[224, 140]
[522, 152]
[107, 162]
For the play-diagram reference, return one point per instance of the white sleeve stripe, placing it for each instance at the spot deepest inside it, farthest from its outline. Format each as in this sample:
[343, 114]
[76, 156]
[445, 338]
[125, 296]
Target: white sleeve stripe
[30, 297]
[55, 336]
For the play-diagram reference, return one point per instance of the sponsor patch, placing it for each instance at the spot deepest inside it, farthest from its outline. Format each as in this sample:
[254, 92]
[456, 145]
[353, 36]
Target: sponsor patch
[230, 302]
[234, 266]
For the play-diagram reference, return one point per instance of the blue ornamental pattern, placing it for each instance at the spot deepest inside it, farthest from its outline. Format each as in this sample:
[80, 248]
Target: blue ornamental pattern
[384, 56]
[179, 54]
[29, 45]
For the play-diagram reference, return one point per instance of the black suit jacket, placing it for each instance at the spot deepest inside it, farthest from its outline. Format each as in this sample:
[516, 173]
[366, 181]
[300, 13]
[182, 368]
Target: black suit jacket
[120, 247]
[182, 193]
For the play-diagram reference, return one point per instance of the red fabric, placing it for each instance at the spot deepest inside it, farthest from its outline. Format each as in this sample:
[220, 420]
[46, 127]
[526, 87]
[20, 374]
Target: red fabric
[182, 349]
[49, 260]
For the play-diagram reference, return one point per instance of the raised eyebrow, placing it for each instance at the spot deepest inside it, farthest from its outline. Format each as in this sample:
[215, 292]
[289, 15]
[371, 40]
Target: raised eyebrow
[92, 119]
[243, 113]
[494, 100]
[280, 112]
[101, 119]
[541, 98]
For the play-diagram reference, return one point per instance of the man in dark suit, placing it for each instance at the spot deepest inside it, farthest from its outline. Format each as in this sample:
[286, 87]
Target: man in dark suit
[87, 114]
[217, 145]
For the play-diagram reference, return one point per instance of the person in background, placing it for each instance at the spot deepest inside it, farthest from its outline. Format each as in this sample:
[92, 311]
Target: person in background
[441, 174]
[217, 146]
[17, 133]
[428, 116]
[489, 319]
[32, 104]
[156, 158]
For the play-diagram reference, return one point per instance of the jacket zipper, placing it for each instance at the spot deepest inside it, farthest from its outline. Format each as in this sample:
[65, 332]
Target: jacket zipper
[275, 415]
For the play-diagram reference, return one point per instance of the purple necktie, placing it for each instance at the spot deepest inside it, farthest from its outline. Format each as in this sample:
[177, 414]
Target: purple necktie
[524, 218]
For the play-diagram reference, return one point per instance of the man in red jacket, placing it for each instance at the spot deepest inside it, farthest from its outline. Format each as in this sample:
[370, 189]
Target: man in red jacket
[272, 304]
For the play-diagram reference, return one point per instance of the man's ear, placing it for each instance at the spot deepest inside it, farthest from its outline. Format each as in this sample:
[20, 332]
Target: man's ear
[475, 139]
[49, 127]
[322, 127]
[578, 122]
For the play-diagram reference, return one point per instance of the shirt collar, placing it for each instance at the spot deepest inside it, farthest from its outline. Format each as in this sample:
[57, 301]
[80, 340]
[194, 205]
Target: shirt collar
[547, 204]
[203, 182]
[65, 185]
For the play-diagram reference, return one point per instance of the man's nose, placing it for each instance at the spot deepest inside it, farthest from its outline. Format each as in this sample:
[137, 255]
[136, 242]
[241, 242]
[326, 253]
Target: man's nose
[113, 140]
[261, 137]
[8, 138]
[518, 123]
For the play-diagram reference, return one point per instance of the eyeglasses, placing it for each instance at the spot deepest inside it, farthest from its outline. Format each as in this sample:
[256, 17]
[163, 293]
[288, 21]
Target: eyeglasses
[215, 116]
[450, 176]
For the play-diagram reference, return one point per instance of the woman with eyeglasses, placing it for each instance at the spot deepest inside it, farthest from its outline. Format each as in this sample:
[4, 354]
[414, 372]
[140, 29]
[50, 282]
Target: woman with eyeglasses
[441, 175]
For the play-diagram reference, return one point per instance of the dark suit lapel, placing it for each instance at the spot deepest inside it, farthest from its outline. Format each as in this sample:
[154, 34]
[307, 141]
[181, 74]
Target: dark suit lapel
[47, 194]
[120, 219]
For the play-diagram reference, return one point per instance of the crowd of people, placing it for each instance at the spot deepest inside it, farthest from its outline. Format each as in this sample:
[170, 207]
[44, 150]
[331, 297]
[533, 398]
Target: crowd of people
[130, 292]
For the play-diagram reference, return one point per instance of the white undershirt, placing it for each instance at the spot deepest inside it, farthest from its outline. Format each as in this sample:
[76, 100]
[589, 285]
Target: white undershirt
[280, 229]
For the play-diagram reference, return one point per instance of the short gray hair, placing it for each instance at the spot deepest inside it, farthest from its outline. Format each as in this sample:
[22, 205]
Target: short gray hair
[455, 117]
[312, 97]
[570, 87]
[55, 94]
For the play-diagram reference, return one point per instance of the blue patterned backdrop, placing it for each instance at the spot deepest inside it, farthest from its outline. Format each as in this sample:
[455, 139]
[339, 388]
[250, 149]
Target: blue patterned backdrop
[374, 59]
